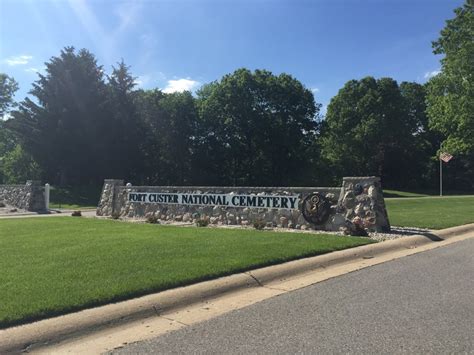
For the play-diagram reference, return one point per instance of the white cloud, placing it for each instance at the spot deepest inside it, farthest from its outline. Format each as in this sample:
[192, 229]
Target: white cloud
[160, 75]
[18, 60]
[148, 39]
[430, 74]
[32, 70]
[104, 38]
[92, 27]
[142, 80]
[128, 13]
[181, 85]
[315, 90]
[150, 79]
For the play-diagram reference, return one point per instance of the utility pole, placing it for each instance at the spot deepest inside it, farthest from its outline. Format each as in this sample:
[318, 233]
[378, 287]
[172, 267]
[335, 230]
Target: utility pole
[440, 173]
[443, 157]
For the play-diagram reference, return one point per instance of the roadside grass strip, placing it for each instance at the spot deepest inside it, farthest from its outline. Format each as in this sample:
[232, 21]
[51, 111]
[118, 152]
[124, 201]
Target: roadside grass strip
[431, 212]
[52, 266]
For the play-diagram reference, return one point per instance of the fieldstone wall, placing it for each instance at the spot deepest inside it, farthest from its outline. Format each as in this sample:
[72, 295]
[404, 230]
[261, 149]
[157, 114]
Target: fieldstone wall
[29, 197]
[349, 208]
[362, 204]
[107, 203]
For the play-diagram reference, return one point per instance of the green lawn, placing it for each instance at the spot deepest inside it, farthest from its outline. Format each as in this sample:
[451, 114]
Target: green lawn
[51, 266]
[431, 212]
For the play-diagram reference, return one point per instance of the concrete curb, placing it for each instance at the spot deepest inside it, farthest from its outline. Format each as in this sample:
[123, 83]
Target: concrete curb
[17, 339]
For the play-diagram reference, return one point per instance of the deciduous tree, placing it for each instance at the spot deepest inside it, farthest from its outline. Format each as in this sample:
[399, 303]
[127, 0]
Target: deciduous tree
[168, 122]
[451, 92]
[372, 128]
[255, 128]
[19, 166]
[8, 87]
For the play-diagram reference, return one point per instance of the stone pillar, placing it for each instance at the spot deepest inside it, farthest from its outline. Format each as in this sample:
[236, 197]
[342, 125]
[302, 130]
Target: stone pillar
[361, 201]
[47, 194]
[109, 194]
[34, 196]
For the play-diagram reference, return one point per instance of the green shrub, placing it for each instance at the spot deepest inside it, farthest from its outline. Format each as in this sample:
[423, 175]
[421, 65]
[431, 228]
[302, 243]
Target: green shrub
[259, 224]
[19, 166]
[202, 222]
[115, 215]
[153, 219]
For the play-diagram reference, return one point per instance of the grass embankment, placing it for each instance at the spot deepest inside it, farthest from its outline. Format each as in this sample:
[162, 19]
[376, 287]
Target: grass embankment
[431, 212]
[55, 265]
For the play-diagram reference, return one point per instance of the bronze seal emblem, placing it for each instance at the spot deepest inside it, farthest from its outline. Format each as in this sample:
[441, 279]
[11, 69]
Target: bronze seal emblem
[315, 208]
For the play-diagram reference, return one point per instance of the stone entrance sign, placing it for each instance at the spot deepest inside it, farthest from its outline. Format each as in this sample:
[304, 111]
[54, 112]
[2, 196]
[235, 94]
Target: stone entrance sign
[211, 199]
[358, 202]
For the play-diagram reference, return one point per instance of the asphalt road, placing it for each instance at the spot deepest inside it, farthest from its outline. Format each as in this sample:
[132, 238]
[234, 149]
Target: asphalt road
[423, 303]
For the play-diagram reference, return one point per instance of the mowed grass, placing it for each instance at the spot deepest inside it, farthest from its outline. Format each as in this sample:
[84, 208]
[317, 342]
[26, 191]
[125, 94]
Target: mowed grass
[431, 212]
[50, 266]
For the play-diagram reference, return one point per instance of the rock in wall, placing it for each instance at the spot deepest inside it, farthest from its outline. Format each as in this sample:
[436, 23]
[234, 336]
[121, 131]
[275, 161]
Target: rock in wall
[108, 197]
[361, 203]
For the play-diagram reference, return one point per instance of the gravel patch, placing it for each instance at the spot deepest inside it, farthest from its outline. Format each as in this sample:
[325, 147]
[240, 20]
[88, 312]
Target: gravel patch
[395, 233]
[10, 210]
[398, 232]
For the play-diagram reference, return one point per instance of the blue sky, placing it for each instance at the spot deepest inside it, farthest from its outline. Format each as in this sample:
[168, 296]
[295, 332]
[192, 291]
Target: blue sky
[181, 44]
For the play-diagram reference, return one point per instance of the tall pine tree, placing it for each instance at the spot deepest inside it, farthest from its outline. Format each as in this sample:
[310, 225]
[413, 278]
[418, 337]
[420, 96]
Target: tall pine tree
[64, 128]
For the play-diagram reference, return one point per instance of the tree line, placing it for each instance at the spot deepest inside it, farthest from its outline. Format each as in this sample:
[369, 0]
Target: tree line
[248, 128]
